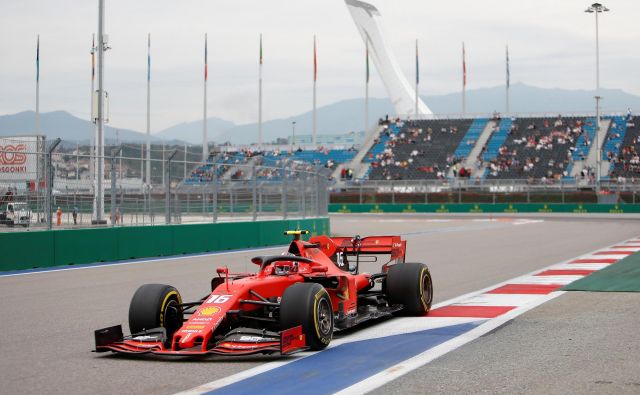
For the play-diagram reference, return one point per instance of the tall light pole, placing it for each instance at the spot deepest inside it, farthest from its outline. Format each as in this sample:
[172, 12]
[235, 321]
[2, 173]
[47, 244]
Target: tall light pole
[205, 140]
[260, 98]
[597, 8]
[100, 118]
[147, 177]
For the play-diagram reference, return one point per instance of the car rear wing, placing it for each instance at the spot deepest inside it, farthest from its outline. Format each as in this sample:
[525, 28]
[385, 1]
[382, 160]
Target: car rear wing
[392, 245]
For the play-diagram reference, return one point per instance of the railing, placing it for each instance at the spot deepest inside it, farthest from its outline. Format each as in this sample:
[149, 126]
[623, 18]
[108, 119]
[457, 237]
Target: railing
[486, 191]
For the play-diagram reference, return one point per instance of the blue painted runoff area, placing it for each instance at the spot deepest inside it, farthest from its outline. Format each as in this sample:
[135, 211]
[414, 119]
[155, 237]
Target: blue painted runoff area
[340, 367]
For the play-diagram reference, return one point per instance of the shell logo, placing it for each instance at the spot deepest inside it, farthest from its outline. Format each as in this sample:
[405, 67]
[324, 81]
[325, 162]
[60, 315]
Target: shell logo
[211, 310]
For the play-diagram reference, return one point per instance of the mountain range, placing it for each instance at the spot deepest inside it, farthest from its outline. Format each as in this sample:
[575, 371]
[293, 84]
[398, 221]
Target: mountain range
[336, 118]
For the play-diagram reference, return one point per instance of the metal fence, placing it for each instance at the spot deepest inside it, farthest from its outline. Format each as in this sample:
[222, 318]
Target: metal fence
[58, 190]
[488, 191]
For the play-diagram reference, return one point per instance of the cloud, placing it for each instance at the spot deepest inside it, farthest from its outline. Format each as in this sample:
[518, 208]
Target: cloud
[552, 44]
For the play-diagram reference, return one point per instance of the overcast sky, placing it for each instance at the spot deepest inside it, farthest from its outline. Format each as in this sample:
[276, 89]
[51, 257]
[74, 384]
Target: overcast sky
[552, 44]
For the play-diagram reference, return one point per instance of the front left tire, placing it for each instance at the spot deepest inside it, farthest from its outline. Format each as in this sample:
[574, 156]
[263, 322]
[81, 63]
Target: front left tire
[308, 305]
[156, 306]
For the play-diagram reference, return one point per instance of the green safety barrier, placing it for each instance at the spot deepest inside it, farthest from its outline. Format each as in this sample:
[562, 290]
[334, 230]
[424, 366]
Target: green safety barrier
[47, 248]
[485, 208]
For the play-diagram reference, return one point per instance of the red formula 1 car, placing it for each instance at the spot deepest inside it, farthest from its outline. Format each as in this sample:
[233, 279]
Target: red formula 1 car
[294, 302]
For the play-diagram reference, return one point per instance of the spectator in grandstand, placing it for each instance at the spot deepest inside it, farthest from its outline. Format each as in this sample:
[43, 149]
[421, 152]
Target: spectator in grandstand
[74, 214]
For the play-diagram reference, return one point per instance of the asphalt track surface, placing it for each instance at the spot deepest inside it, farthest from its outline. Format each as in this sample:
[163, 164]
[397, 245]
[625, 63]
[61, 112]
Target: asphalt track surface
[576, 343]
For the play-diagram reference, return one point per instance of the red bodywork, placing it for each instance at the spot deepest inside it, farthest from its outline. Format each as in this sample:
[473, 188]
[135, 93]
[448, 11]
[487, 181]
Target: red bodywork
[244, 294]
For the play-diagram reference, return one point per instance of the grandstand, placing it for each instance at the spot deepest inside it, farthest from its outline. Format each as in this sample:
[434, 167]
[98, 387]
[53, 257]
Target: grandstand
[537, 147]
[530, 148]
[622, 147]
[422, 149]
[227, 164]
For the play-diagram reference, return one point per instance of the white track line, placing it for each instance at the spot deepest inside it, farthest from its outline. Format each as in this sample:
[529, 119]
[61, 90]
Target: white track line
[373, 382]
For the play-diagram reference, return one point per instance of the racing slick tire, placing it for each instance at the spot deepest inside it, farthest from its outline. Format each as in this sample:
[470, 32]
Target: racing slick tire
[309, 305]
[410, 284]
[156, 306]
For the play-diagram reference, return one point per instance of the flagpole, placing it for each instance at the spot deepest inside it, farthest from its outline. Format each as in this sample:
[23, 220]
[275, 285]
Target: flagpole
[148, 172]
[508, 82]
[38, 85]
[205, 145]
[141, 160]
[366, 91]
[417, 78]
[260, 98]
[315, 76]
[464, 81]
[92, 144]
[164, 181]
[102, 46]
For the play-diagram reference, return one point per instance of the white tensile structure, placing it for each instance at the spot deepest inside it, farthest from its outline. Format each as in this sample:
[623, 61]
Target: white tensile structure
[402, 95]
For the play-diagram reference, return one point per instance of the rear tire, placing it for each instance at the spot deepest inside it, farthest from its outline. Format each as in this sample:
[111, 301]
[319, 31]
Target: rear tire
[309, 305]
[155, 306]
[410, 284]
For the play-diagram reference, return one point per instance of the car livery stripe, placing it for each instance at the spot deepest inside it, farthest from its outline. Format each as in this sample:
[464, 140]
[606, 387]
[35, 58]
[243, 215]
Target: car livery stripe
[369, 358]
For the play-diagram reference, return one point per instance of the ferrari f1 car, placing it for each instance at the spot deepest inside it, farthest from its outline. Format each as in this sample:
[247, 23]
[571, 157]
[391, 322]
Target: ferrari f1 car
[294, 302]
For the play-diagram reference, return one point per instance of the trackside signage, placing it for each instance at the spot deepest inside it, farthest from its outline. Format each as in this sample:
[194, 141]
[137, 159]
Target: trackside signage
[17, 158]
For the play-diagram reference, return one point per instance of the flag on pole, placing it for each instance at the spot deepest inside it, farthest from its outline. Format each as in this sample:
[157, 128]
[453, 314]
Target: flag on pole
[417, 65]
[315, 60]
[261, 49]
[464, 67]
[93, 58]
[38, 59]
[149, 57]
[205, 57]
[367, 60]
[508, 72]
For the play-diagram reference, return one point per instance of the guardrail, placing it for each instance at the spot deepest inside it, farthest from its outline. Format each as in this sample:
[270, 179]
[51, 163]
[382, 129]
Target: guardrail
[509, 208]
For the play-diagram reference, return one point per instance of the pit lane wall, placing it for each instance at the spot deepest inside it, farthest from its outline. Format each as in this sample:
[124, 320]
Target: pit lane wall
[485, 208]
[48, 248]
